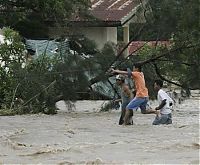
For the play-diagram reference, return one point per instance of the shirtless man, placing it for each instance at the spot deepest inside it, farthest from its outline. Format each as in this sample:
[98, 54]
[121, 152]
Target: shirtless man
[126, 97]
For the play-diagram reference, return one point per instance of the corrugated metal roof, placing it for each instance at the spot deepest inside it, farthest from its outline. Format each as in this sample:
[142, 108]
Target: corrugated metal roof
[112, 10]
[109, 11]
[46, 46]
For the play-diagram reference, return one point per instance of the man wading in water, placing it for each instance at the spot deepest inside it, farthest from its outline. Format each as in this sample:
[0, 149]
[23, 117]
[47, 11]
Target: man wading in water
[126, 97]
[163, 111]
[141, 98]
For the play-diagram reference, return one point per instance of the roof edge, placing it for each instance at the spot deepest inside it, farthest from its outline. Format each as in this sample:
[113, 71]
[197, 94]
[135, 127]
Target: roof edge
[94, 23]
[130, 15]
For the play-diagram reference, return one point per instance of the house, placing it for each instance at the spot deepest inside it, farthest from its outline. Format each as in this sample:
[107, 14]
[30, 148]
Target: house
[108, 16]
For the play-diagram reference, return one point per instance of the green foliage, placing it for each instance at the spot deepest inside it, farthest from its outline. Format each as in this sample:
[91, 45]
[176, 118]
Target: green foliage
[35, 86]
[186, 33]
[12, 59]
[178, 22]
[166, 15]
[27, 16]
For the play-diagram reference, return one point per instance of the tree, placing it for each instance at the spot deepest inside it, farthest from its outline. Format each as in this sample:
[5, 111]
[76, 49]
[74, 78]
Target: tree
[178, 22]
[37, 85]
[185, 18]
[32, 17]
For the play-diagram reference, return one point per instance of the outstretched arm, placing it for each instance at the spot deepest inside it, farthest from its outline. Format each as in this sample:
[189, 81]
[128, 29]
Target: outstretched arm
[119, 71]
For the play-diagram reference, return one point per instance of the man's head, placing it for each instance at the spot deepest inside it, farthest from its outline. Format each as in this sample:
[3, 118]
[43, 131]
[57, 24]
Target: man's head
[158, 84]
[120, 79]
[137, 67]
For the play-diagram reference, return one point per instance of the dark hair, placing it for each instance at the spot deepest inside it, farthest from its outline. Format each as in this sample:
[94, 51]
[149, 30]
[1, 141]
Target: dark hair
[159, 82]
[138, 66]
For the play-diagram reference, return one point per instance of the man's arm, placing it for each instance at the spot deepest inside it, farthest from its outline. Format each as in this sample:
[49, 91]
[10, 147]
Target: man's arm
[119, 71]
[161, 105]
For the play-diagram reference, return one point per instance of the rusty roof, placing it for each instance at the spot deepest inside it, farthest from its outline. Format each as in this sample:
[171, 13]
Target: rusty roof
[112, 10]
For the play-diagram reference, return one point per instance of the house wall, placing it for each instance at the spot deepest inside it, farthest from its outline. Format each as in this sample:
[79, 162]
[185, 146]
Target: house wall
[100, 35]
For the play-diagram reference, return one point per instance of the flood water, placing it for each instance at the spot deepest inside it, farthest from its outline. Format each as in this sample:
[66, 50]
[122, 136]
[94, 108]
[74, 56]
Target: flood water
[86, 136]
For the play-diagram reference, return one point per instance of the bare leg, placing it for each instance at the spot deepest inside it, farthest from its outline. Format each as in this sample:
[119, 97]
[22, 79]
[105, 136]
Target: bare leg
[127, 117]
[131, 117]
[121, 120]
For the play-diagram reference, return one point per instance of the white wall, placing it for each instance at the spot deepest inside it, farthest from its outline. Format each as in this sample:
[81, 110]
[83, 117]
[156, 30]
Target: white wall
[100, 35]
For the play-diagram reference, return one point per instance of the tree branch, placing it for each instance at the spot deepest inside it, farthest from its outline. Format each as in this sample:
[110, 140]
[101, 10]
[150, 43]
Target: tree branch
[167, 53]
[184, 63]
[171, 82]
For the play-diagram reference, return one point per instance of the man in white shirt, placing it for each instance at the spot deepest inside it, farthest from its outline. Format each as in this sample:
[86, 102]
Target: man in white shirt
[163, 111]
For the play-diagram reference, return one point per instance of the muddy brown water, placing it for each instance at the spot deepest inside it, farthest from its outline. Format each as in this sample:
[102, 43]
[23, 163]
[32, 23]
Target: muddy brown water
[86, 136]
